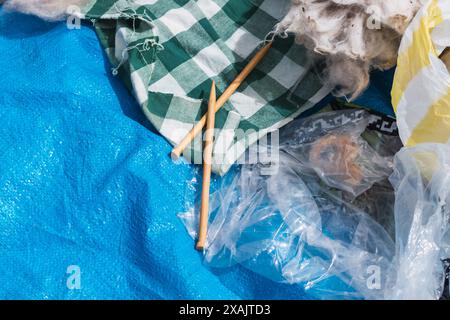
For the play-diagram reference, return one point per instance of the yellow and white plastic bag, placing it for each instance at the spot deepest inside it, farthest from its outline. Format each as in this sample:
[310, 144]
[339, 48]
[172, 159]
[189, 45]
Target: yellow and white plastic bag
[421, 90]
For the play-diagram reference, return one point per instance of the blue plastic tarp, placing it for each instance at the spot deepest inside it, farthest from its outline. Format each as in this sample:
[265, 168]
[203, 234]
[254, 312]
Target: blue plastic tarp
[86, 182]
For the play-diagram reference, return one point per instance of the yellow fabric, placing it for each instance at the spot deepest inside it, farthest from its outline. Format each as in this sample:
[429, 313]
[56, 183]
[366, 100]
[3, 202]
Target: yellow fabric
[435, 126]
[414, 57]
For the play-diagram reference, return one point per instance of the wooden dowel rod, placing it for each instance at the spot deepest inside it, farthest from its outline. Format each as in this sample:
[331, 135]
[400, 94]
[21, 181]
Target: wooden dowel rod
[179, 149]
[445, 56]
[207, 165]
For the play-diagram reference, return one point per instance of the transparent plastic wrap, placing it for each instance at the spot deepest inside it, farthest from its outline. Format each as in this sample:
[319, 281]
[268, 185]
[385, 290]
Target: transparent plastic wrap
[422, 187]
[331, 145]
[292, 227]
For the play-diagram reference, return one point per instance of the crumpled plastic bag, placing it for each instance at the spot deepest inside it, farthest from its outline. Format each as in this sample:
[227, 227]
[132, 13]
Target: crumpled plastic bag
[293, 228]
[422, 187]
[421, 88]
[331, 145]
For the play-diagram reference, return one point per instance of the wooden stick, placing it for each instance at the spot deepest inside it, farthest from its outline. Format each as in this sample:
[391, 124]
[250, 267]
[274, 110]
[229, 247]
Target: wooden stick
[179, 149]
[207, 164]
[445, 56]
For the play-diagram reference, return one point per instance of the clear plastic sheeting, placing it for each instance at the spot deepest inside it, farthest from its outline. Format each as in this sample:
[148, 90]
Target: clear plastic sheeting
[422, 185]
[293, 227]
[331, 145]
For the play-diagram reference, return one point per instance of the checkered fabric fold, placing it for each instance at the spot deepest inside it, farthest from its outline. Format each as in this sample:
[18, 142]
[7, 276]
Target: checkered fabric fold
[168, 51]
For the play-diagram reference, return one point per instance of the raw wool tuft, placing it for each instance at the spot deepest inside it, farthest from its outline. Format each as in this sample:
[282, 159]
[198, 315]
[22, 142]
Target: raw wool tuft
[354, 35]
[51, 10]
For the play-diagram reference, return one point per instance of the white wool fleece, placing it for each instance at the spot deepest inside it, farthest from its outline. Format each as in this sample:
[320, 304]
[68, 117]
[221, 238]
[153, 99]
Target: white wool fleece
[354, 36]
[343, 26]
[51, 10]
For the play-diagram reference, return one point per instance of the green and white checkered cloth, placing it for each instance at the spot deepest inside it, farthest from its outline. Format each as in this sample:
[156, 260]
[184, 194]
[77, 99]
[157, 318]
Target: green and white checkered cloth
[168, 51]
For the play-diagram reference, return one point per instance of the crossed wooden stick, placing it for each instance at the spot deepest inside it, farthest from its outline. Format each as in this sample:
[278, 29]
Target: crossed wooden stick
[208, 120]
